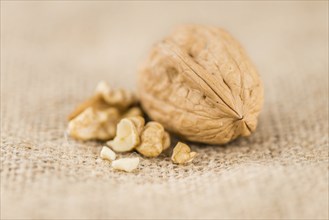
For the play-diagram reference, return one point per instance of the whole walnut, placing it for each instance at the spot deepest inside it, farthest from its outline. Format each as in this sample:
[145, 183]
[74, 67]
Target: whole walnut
[200, 84]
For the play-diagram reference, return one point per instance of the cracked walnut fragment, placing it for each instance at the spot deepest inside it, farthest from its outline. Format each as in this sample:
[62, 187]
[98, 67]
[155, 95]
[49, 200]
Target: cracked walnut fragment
[182, 154]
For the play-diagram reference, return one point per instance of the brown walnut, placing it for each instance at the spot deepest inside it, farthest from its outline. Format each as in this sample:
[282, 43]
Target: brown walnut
[200, 84]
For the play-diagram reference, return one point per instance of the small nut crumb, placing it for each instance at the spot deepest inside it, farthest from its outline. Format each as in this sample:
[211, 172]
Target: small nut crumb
[152, 140]
[126, 164]
[127, 137]
[182, 154]
[107, 154]
[94, 124]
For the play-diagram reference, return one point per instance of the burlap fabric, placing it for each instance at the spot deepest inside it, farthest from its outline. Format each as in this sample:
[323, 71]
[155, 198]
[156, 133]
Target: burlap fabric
[54, 53]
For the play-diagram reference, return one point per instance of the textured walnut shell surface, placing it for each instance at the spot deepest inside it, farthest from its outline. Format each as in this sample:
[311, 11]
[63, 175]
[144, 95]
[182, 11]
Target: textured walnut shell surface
[200, 84]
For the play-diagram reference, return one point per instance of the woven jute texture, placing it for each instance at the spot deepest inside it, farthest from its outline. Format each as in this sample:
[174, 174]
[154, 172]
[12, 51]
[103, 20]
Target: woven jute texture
[54, 52]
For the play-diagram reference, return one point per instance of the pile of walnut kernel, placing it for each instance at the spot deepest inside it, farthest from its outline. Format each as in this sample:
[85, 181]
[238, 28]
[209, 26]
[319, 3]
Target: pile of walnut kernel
[113, 115]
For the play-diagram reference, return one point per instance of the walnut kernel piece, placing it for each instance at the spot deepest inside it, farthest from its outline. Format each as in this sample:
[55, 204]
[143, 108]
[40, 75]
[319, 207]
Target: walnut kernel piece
[107, 154]
[200, 84]
[105, 97]
[127, 136]
[94, 124]
[126, 164]
[120, 98]
[139, 123]
[152, 141]
[182, 154]
[95, 101]
[133, 111]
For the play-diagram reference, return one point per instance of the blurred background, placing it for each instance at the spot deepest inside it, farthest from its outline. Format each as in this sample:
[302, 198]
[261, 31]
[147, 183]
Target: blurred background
[112, 38]
[54, 52]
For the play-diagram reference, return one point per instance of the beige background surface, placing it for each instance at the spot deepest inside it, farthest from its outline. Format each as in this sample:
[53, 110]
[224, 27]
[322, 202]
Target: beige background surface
[54, 52]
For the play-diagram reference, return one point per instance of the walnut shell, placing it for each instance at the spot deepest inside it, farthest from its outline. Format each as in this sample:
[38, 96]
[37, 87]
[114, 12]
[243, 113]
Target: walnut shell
[200, 84]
